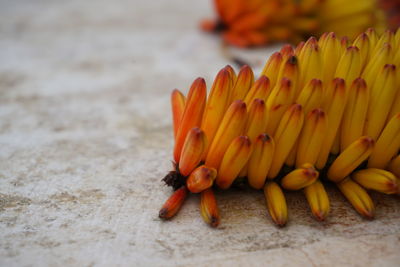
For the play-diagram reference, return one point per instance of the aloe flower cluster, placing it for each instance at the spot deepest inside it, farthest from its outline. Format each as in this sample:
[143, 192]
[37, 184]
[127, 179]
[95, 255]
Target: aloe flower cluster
[326, 110]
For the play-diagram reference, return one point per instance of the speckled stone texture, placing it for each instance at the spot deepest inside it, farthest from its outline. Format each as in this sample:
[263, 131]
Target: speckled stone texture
[85, 138]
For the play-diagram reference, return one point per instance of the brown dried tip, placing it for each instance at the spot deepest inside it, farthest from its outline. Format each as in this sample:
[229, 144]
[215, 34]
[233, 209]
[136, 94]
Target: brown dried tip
[292, 60]
[173, 204]
[264, 137]
[174, 179]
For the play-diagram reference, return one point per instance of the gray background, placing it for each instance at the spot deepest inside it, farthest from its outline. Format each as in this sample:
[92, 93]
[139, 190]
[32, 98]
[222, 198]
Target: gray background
[86, 136]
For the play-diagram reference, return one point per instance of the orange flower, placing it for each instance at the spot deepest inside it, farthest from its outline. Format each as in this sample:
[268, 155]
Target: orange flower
[247, 23]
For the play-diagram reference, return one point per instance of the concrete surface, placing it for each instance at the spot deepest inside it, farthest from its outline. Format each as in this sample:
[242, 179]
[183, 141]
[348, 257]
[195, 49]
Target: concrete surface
[85, 137]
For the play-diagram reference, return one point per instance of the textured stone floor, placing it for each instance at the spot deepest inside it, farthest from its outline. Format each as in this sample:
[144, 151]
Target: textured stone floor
[85, 137]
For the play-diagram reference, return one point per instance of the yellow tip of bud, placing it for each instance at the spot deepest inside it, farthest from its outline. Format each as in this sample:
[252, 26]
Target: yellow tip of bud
[178, 107]
[192, 115]
[276, 203]
[299, 47]
[257, 119]
[318, 200]
[235, 158]
[243, 83]
[358, 197]
[394, 166]
[350, 158]
[217, 103]
[192, 151]
[231, 72]
[378, 180]
[231, 126]
[300, 178]
[260, 160]
[285, 137]
[271, 67]
[260, 89]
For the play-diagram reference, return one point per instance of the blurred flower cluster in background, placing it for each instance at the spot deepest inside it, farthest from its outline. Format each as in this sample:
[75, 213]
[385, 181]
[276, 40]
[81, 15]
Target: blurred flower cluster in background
[246, 23]
[392, 11]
